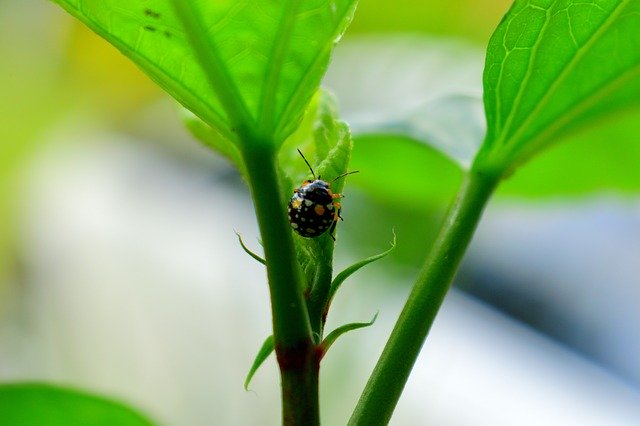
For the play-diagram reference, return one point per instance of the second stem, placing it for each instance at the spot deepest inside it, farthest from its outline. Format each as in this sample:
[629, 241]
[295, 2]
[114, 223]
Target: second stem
[387, 381]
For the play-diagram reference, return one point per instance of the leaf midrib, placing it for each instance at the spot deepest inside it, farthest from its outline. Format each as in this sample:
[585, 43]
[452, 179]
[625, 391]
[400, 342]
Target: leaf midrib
[272, 78]
[297, 93]
[213, 66]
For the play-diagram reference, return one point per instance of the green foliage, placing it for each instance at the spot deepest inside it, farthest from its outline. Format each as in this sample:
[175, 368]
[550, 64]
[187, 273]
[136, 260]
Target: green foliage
[555, 65]
[28, 404]
[249, 252]
[264, 352]
[347, 272]
[249, 70]
[551, 66]
[333, 336]
[600, 158]
[249, 74]
[258, 64]
[326, 143]
[415, 175]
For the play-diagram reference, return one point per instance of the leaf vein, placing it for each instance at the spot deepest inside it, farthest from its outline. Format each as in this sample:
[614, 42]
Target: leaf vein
[525, 81]
[566, 71]
[297, 94]
[584, 104]
[272, 76]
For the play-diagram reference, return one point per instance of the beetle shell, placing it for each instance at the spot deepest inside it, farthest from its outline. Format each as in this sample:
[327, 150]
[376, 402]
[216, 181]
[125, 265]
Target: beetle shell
[313, 209]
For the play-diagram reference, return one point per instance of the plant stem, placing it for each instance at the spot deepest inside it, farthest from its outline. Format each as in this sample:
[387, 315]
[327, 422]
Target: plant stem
[320, 289]
[294, 347]
[388, 378]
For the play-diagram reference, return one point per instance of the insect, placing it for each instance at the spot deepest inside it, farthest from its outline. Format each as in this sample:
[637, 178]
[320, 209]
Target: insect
[313, 208]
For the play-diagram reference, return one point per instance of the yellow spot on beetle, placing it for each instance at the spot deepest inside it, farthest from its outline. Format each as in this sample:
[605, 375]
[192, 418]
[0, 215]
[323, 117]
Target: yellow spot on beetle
[296, 203]
[319, 209]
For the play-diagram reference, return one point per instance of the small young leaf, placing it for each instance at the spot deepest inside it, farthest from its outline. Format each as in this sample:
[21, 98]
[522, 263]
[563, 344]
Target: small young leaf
[27, 404]
[553, 65]
[250, 66]
[263, 354]
[324, 140]
[249, 252]
[333, 336]
[320, 132]
[346, 273]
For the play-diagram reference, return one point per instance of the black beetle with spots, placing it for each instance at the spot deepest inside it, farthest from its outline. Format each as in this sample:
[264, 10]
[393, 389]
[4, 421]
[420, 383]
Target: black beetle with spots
[313, 208]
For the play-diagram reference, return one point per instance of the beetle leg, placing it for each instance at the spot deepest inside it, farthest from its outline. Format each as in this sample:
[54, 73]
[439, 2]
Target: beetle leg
[332, 230]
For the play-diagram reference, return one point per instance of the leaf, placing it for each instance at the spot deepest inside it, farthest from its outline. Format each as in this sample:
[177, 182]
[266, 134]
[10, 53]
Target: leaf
[27, 404]
[333, 336]
[453, 124]
[347, 272]
[424, 76]
[391, 166]
[326, 142]
[431, 93]
[553, 66]
[598, 159]
[240, 66]
[293, 170]
[581, 165]
[249, 252]
[264, 352]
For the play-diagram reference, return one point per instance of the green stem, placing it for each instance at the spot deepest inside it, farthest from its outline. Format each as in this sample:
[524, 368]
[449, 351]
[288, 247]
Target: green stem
[387, 381]
[321, 286]
[294, 347]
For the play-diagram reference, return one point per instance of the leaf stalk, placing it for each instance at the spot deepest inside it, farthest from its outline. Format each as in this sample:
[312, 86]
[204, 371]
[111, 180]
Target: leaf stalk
[388, 379]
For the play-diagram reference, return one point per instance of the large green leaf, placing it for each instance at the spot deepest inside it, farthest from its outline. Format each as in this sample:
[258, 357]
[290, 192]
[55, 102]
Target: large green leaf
[39, 404]
[602, 158]
[553, 65]
[404, 172]
[239, 65]
[599, 158]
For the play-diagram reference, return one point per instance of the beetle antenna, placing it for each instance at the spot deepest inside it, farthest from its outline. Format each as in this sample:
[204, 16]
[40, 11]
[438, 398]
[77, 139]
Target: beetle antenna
[309, 165]
[345, 174]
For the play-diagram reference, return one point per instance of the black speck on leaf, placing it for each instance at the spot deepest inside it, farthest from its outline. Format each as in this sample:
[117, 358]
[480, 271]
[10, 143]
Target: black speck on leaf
[150, 28]
[152, 14]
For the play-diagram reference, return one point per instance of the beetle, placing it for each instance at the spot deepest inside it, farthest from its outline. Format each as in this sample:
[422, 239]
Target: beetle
[313, 208]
